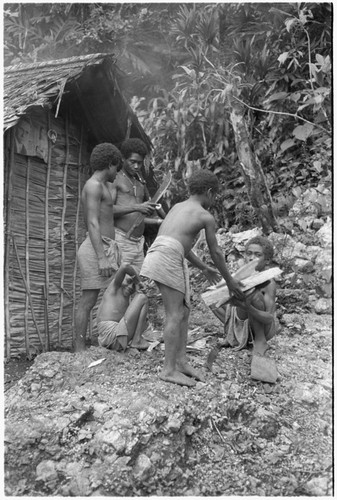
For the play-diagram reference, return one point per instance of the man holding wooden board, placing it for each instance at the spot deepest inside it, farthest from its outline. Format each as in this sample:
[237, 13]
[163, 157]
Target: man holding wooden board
[253, 318]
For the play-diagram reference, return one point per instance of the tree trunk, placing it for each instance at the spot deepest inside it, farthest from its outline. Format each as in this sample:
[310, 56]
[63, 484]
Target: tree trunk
[252, 172]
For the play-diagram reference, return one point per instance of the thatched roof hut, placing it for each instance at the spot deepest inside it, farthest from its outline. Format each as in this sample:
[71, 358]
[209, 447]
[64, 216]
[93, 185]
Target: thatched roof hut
[54, 114]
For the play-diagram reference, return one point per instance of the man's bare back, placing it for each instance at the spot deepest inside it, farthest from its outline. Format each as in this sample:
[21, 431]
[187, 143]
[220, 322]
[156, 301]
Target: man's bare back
[184, 221]
[113, 305]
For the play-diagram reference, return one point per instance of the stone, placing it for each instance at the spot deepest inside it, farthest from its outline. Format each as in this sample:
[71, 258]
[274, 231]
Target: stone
[113, 438]
[324, 258]
[318, 486]
[46, 471]
[142, 467]
[303, 265]
[323, 306]
[240, 239]
[325, 234]
[317, 224]
[174, 424]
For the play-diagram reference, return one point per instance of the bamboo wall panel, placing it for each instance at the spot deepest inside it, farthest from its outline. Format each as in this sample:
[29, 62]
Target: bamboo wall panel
[29, 233]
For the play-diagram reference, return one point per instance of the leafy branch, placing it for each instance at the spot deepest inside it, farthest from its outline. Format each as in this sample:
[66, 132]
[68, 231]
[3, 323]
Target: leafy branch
[292, 115]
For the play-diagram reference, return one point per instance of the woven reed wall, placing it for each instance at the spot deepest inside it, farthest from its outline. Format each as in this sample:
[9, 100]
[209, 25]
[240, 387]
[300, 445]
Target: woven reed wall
[44, 227]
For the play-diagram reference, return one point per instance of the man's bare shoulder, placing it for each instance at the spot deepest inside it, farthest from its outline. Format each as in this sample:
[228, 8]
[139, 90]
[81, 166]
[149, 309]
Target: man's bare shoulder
[269, 287]
[91, 184]
[120, 179]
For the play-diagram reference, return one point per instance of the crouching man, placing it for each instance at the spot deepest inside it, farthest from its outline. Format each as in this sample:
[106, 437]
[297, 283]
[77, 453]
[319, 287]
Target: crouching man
[253, 318]
[120, 320]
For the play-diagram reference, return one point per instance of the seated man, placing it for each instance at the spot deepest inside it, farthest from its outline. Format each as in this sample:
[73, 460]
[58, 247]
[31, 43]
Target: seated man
[255, 316]
[121, 322]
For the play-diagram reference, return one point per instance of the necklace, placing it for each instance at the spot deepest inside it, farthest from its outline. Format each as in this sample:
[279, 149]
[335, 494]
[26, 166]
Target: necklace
[134, 186]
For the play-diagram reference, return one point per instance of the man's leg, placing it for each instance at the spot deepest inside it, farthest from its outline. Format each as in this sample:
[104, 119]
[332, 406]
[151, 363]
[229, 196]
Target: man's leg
[182, 364]
[174, 318]
[259, 329]
[87, 301]
[135, 319]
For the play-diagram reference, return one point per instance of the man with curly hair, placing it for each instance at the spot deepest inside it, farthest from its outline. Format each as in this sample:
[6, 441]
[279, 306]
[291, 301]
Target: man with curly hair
[99, 256]
[130, 196]
[165, 264]
[254, 318]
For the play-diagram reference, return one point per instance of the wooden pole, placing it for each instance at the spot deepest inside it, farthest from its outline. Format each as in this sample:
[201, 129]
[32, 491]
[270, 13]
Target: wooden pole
[28, 292]
[8, 191]
[27, 254]
[63, 216]
[76, 229]
[46, 240]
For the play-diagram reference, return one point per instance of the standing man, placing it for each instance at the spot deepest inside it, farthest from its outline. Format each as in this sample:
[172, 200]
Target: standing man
[166, 265]
[98, 256]
[129, 195]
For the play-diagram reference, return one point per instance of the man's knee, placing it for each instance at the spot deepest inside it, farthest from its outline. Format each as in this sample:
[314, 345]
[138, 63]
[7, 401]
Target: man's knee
[258, 301]
[177, 316]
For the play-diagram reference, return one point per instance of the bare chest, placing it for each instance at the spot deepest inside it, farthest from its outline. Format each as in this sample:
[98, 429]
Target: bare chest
[129, 190]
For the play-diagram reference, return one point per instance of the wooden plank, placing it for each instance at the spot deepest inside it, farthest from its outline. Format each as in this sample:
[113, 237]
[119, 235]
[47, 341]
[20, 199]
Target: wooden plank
[219, 296]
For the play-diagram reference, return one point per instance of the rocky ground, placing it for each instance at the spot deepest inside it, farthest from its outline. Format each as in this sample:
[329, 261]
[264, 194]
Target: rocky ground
[102, 423]
[74, 428]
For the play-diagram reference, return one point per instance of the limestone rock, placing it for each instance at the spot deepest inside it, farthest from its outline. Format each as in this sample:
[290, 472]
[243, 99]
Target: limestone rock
[318, 487]
[46, 471]
[323, 306]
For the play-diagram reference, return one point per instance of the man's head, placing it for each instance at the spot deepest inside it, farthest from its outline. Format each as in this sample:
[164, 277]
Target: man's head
[106, 156]
[260, 248]
[129, 286]
[134, 151]
[203, 182]
[22, 130]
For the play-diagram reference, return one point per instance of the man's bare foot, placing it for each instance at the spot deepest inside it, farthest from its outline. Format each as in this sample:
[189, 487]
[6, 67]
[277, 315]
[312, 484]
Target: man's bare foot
[141, 344]
[187, 369]
[177, 378]
[260, 348]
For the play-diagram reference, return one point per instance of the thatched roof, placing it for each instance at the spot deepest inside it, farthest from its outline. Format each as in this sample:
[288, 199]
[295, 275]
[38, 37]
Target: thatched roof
[92, 79]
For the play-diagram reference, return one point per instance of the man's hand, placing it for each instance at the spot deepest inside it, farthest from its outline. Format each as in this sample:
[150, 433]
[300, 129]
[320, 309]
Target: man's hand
[131, 271]
[212, 275]
[146, 208]
[234, 288]
[238, 303]
[104, 267]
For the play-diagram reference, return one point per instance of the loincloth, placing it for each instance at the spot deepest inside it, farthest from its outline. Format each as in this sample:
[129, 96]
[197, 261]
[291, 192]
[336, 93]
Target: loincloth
[238, 331]
[88, 263]
[165, 263]
[132, 249]
[109, 331]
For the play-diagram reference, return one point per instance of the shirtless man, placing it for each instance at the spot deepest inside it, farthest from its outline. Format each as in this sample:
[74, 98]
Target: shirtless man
[129, 195]
[121, 321]
[166, 265]
[255, 315]
[98, 256]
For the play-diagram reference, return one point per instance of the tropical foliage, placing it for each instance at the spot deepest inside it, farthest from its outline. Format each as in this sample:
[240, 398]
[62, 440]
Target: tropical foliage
[188, 65]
